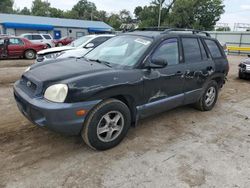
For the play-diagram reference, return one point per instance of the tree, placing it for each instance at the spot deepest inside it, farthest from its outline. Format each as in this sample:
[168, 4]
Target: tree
[84, 10]
[6, 6]
[40, 8]
[198, 14]
[114, 21]
[125, 16]
[24, 11]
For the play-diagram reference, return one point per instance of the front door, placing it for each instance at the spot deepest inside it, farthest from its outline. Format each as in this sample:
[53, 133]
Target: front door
[15, 47]
[163, 88]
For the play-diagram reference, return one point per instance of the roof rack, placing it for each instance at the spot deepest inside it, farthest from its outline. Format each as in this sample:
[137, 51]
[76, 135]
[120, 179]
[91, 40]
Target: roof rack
[166, 30]
[194, 31]
[150, 29]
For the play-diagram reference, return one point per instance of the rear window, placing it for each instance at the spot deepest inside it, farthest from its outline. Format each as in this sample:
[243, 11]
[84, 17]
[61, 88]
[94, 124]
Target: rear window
[213, 48]
[36, 37]
[47, 37]
[192, 51]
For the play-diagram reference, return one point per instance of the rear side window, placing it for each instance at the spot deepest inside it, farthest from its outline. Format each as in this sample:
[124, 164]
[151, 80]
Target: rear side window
[47, 37]
[192, 52]
[169, 51]
[36, 37]
[29, 37]
[213, 48]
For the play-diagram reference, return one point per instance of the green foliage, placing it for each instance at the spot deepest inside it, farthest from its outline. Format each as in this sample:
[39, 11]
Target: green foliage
[6, 6]
[198, 14]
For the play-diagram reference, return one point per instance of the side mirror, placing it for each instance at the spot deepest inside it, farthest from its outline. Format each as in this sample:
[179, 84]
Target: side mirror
[89, 45]
[158, 63]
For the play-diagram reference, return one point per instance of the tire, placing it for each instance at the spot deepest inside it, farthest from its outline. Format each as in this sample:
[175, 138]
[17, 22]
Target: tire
[48, 46]
[99, 132]
[59, 44]
[242, 75]
[205, 103]
[30, 54]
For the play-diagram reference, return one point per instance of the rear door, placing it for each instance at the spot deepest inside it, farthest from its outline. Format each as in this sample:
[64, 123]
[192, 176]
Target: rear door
[198, 67]
[1, 46]
[16, 47]
[163, 87]
[218, 55]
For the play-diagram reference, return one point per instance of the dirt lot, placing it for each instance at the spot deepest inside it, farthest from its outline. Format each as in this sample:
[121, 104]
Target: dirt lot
[179, 148]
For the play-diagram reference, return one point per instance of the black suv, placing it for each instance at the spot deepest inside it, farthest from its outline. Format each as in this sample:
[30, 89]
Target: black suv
[129, 77]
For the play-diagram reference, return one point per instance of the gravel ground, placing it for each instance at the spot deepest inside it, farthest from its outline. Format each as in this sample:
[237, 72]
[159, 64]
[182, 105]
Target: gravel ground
[179, 148]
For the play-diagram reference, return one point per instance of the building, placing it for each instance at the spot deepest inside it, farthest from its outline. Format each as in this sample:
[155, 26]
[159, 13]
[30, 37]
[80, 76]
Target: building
[58, 27]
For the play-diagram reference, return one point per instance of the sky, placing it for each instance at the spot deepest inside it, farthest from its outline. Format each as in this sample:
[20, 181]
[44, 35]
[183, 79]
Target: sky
[236, 11]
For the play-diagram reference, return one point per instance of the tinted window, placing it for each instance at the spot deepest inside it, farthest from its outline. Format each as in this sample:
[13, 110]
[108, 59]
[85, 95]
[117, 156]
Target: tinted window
[192, 51]
[213, 48]
[28, 37]
[203, 51]
[36, 37]
[99, 40]
[15, 41]
[168, 50]
[47, 37]
[1, 42]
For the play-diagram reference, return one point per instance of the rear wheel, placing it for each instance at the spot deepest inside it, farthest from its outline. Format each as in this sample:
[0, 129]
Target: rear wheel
[106, 125]
[242, 75]
[209, 97]
[30, 54]
[48, 46]
[59, 44]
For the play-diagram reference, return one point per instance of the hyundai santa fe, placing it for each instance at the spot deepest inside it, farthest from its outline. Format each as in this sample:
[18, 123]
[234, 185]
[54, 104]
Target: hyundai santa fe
[128, 77]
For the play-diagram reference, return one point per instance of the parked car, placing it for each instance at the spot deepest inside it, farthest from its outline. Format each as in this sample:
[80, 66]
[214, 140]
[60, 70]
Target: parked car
[129, 77]
[11, 46]
[244, 69]
[63, 41]
[86, 42]
[40, 38]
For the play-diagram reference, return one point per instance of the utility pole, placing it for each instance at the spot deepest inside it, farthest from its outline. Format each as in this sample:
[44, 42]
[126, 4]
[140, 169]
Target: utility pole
[159, 19]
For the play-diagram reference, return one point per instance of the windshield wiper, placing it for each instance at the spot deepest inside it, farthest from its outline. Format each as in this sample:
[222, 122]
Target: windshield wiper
[101, 62]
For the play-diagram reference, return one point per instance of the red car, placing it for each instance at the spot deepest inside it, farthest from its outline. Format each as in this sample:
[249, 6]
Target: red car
[63, 41]
[11, 46]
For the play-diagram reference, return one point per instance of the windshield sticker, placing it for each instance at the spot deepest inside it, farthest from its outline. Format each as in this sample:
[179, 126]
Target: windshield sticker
[142, 41]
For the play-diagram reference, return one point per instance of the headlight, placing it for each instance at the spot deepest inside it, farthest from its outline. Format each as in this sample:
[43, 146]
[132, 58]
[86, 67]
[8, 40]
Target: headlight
[56, 93]
[26, 70]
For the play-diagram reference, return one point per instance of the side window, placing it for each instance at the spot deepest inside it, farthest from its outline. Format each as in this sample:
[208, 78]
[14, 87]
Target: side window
[192, 52]
[213, 48]
[36, 37]
[1, 42]
[168, 50]
[15, 41]
[98, 41]
[47, 37]
[203, 51]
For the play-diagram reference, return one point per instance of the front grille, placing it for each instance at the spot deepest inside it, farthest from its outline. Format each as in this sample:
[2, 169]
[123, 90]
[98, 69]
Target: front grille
[28, 85]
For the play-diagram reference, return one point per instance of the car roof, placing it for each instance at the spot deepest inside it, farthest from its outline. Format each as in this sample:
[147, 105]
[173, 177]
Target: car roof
[161, 32]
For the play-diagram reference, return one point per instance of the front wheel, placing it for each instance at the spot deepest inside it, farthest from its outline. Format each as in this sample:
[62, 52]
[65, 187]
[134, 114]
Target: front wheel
[106, 125]
[30, 54]
[242, 75]
[209, 97]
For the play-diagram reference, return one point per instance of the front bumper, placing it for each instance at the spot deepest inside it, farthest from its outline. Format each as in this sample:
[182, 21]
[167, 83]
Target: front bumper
[60, 117]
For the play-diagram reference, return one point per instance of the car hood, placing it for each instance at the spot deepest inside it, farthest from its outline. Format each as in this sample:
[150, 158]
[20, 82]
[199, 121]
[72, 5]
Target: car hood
[79, 52]
[63, 70]
[247, 61]
[55, 49]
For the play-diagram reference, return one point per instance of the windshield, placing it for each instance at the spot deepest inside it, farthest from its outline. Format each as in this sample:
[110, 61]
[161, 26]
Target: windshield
[121, 50]
[80, 41]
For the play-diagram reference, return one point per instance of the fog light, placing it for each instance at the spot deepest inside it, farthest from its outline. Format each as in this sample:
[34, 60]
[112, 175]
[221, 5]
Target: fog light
[81, 112]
